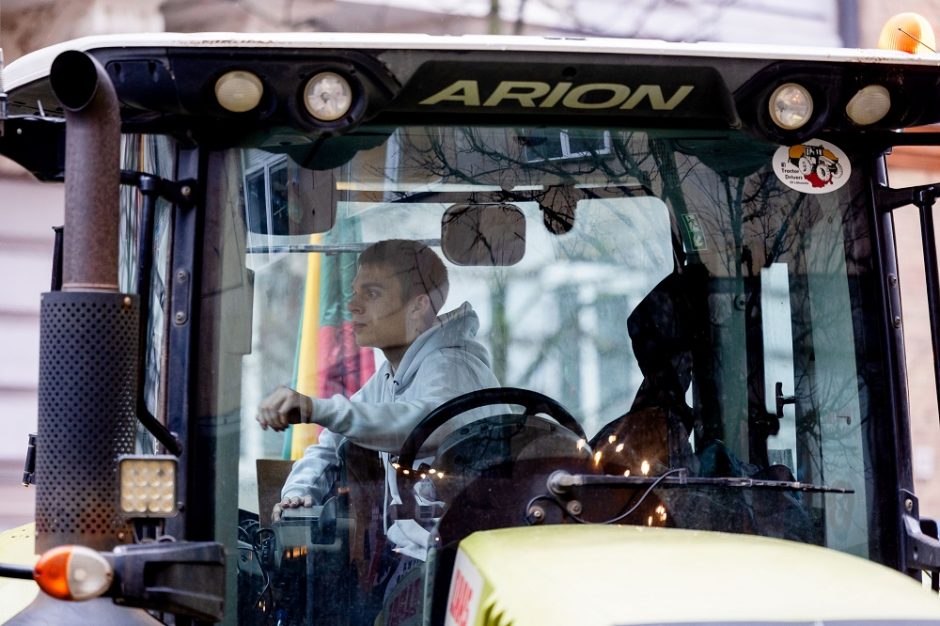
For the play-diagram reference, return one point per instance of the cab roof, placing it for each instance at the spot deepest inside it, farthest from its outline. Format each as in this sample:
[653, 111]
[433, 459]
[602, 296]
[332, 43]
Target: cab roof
[36, 65]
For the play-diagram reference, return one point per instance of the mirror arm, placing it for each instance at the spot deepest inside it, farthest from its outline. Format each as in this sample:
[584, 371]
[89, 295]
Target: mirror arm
[151, 188]
[923, 197]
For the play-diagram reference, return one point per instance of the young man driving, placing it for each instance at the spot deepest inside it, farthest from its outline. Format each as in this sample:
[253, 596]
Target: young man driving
[398, 290]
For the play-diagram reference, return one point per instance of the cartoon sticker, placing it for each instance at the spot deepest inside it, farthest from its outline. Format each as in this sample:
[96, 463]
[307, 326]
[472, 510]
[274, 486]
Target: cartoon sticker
[815, 166]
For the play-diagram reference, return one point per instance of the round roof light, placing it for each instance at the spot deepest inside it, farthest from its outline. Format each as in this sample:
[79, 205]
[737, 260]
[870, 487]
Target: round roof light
[791, 106]
[238, 91]
[869, 105]
[328, 96]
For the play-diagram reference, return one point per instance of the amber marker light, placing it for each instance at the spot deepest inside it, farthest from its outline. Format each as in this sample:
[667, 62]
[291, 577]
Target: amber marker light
[908, 32]
[73, 573]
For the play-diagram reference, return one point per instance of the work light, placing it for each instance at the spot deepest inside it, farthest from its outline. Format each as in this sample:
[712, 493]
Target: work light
[868, 105]
[148, 485]
[328, 96]
[791, 106]
[238, 91]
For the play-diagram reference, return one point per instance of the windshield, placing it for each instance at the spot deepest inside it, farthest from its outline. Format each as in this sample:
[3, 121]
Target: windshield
[667, 309]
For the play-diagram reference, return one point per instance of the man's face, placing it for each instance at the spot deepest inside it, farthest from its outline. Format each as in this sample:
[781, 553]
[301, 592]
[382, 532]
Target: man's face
[379, 313]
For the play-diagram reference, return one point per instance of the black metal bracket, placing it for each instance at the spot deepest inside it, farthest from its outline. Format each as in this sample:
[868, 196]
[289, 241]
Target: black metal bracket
[183, 578]
[181, 192]
[29, 467]
[921, 196]
[921, 545]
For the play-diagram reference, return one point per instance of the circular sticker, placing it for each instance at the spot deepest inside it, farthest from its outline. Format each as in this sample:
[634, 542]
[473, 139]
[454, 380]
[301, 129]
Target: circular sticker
[814, 166]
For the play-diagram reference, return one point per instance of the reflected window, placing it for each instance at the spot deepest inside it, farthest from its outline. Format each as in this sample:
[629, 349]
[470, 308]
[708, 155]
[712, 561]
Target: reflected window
[565, 144]
[266, 191]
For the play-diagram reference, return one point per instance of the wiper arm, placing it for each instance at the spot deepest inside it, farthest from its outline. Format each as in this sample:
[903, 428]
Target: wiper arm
[561, 482]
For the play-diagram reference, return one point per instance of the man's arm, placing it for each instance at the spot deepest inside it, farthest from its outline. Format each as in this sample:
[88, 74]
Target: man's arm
[442, 376]
[374, 425]
[382, 425]
[311, 476]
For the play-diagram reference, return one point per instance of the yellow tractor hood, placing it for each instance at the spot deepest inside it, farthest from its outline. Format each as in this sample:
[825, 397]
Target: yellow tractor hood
[16, 547]
[617, 575]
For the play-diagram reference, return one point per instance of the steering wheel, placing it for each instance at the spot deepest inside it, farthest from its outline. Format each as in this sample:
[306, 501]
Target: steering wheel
[532, 401]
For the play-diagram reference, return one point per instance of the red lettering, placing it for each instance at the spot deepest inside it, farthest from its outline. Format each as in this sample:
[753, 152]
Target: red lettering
[405, 605]
[462, 593]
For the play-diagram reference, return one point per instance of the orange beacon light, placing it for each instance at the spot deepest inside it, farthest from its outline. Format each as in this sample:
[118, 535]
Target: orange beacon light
[908, 32]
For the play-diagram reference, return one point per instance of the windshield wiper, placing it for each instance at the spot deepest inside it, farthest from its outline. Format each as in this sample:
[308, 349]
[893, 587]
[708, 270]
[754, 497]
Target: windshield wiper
[561, 485]
[561, 482]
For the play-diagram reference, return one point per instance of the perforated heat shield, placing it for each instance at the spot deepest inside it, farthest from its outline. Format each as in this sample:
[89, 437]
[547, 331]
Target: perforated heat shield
[87, 392]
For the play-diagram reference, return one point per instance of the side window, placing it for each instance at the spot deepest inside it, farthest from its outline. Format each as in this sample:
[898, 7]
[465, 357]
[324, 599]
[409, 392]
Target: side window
[155, 155]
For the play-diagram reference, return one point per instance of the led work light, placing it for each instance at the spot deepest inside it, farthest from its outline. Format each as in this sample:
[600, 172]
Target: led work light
[148, 486]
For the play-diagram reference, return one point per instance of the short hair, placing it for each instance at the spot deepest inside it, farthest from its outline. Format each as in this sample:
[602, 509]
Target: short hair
[418, 269]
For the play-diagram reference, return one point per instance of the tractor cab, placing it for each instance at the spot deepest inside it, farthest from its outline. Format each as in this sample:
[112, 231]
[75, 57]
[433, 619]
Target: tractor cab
[663, 337]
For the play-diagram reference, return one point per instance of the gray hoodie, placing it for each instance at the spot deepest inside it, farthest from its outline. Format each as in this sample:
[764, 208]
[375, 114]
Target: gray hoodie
[444, 362]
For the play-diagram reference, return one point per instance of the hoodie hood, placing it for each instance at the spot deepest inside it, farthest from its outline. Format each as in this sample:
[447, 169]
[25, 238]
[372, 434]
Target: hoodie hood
[456, 330]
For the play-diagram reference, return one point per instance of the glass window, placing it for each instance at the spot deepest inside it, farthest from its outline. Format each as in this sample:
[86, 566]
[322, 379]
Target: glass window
[701, 325]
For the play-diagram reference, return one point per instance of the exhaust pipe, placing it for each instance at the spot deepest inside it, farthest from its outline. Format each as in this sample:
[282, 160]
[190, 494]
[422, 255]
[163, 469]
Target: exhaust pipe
[88, 331]
[92, 171]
